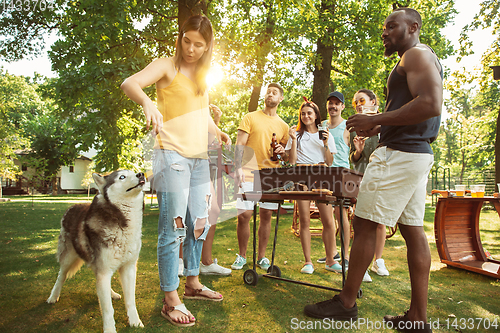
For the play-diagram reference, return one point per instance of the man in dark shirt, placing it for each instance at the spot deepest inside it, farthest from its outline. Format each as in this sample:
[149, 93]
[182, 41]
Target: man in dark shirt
[393, 186]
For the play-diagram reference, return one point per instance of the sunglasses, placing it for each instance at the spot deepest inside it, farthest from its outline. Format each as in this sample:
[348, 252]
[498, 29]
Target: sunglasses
[361, 101]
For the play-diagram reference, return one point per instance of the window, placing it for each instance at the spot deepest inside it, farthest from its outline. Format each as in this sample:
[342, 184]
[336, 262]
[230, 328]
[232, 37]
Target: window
[24, 167]
[71, 169]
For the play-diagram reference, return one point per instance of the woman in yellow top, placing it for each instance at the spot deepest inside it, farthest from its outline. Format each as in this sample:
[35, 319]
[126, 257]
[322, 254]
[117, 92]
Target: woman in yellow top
[181, 123]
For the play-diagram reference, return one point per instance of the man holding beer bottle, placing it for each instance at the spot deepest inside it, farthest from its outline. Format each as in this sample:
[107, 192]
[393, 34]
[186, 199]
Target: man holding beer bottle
[253, 151]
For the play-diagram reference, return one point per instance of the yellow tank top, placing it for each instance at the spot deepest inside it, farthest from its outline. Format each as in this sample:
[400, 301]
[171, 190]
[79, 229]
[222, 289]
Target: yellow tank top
[185, 118]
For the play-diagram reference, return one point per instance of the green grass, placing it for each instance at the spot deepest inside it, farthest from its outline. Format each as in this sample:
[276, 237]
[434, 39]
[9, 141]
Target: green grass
[28, 269]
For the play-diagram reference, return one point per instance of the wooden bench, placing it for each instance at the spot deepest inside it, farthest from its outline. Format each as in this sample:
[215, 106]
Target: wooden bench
[456, 227]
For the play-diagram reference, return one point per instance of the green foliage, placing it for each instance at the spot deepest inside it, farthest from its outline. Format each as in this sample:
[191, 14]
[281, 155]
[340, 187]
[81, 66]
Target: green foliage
[466, 142]
[101, 43]
[52, 144]
[488, 17]
[19, 103]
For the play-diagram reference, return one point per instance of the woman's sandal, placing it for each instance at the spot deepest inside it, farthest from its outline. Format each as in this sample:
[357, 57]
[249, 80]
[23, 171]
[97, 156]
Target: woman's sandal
[166, 310]
[191, 293]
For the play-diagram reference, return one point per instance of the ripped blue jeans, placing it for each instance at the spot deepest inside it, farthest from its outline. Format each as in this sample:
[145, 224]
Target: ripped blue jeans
[183, 189]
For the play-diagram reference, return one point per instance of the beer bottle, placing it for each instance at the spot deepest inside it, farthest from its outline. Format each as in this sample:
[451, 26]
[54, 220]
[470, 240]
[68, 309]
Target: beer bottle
[274, 143]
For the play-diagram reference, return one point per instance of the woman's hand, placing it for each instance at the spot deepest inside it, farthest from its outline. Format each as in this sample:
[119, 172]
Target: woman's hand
[225, 138]
[359, 143]
[217, 113]
[153, 117]
[326, 134]
[292, 132]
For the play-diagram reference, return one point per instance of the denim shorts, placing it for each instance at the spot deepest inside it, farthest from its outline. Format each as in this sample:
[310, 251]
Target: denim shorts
[183, 189]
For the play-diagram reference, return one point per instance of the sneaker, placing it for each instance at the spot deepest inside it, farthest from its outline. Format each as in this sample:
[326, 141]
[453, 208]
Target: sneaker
[307, 269]
[334, 268]
[403, 324]
[379, 267]
[323, 260]
[181, 267]
[239, 262]
[332, 308]
[367, 277]
[214, 269]
[264, 263]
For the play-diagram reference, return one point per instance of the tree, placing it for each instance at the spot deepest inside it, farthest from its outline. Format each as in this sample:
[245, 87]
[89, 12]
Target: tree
[349, 54]
[99, 47]
[102, 43]
[486, 18]
[52, 145]
[19, 102]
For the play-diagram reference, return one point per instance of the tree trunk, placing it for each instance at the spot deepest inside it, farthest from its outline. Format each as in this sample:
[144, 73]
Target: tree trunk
[321, 73]
[323, 63]
[54, 185]
[254, 98]
[264, 42]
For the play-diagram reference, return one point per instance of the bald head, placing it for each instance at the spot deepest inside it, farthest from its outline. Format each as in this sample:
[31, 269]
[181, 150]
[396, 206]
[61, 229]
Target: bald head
[411, 16]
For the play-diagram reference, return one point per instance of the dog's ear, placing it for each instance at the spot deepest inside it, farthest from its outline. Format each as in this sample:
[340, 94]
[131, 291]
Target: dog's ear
[99, 181]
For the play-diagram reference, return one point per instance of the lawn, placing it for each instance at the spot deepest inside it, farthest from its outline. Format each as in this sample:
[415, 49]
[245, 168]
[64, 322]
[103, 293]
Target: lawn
[29, 268]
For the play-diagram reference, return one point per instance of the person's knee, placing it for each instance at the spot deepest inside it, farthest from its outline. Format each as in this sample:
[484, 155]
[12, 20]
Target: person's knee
[362, 226]
[244, 216]
[265, 215]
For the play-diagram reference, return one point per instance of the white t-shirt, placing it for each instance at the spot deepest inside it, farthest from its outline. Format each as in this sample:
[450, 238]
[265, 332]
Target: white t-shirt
[310, 149]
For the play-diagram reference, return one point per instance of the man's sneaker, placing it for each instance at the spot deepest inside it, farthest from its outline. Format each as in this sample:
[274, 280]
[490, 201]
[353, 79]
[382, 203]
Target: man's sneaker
[332, 308]
[264, 263]
[403, 324]
[307, 269]
[323, 260]
[367, 277]
[181, 267]
[335, 267]
[379, 267]
[346, 264]
[214, 269]
[239, 262]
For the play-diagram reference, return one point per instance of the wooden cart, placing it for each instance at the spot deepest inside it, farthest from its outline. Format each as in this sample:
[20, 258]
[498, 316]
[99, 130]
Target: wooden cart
[456, 227]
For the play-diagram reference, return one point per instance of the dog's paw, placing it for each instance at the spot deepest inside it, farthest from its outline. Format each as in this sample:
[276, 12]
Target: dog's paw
[52, 300]
[136, 323]
[115, 295]
[110, 330]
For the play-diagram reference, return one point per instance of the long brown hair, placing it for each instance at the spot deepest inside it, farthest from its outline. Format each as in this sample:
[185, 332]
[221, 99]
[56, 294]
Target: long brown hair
[201, 24]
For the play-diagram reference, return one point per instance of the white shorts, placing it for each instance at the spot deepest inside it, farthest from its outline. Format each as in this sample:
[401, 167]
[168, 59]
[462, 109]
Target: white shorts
[393, 188]
[248, 205]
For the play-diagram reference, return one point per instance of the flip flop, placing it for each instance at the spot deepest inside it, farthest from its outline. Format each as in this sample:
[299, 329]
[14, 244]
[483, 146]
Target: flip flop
[182, 308]
[191, 293]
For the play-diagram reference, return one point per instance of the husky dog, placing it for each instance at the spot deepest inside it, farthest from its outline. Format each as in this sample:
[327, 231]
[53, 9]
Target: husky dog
[105, 234]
